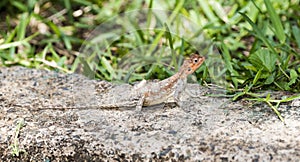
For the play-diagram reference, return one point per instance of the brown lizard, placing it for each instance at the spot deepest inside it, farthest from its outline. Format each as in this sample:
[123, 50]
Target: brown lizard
[159, 92]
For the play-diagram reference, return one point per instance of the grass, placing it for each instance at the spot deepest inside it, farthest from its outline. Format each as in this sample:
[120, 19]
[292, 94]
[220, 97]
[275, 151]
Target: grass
[15, 149]
[258, 41]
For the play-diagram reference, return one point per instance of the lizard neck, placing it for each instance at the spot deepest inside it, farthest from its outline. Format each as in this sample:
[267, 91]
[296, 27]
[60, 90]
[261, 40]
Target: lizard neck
[171, 82]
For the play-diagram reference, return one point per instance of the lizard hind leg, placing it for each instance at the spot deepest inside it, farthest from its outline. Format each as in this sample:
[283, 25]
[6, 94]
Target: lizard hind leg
[140, 103]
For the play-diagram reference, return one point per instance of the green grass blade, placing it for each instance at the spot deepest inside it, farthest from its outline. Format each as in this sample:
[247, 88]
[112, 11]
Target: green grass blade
[175, 11]
[296, 33]
[275, 110]
[260, 35]
[149, 15]
[207, 10]
[11, 36]
[69, 8]
[170, 39]
[219, 10]
[105, 63]
[291, 98]
[257, 76]
[279, 32]
[21, 6]
[22, 26]
[227, 59]
[17, 43]
[67, 42]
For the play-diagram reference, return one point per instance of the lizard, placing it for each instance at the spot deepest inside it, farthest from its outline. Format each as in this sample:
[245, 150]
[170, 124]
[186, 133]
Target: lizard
[153, 93]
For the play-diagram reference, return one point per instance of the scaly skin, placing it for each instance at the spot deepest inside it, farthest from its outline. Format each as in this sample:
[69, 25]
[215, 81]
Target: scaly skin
[158, 92]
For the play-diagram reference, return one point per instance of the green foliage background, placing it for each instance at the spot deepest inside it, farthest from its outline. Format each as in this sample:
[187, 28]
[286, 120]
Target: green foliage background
[258, 40]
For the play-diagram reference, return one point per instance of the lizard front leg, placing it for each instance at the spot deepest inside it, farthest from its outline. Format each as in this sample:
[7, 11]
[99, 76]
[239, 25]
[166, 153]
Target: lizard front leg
[176, 96]
[178, 91]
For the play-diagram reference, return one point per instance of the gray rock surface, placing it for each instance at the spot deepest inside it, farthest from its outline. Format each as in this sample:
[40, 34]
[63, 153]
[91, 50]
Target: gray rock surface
[205, 129]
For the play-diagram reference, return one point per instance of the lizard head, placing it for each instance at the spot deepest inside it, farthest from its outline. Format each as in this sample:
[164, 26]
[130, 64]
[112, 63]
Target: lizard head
[192, 63]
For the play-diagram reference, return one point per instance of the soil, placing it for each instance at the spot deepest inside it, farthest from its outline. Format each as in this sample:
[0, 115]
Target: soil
[62, 123]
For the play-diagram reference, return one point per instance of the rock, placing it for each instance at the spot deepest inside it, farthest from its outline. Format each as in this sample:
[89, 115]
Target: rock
[205, 129]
